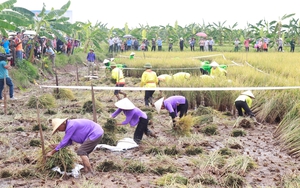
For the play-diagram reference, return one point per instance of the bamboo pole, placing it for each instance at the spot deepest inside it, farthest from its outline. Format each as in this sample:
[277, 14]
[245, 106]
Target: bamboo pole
[4, 97]
[41, 130]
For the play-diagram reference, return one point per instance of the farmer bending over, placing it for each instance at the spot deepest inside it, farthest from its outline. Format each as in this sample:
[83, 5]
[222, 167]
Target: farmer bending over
[82, 131]
[135, 117]
[173, 104]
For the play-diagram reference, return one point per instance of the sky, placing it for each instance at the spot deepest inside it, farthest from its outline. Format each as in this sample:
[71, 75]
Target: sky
[115, 13]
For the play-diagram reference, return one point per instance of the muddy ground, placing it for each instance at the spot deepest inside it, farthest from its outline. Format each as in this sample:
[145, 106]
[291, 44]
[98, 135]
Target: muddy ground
[16, 153]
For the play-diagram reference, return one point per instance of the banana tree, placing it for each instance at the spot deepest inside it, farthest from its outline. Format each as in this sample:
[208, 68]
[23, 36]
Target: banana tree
[219, 31]
[14, 18]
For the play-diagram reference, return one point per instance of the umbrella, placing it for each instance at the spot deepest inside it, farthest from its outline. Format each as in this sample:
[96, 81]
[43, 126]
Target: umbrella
[201, 34]
[29, 32]
[128, 36]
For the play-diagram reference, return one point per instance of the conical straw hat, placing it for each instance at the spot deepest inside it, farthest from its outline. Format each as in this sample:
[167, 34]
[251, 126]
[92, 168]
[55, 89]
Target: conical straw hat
[158, 104]
[125, 104]
[248, 93]
[56, 122]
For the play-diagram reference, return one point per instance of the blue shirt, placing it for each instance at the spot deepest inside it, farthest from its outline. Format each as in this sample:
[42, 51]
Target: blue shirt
[6, 46]
[50, 51]
[132, 116]
[3, 70]
[159, 42]
[79, 130]
[91, 57]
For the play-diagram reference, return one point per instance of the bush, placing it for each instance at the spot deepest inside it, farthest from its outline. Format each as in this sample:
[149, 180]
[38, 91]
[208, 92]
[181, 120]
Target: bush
[210, 130]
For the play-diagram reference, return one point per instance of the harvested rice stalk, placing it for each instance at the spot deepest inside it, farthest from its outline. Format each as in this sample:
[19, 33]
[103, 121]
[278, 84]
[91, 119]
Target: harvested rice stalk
[64, 159]
[183, 125]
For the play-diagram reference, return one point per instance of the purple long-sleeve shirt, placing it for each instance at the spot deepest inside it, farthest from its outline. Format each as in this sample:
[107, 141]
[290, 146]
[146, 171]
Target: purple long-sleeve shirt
[79, 130]
[91, 57]
[172, 102]
[132, 116]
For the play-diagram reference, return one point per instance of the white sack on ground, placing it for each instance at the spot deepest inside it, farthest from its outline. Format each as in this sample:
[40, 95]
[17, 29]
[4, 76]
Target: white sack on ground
[122, 145]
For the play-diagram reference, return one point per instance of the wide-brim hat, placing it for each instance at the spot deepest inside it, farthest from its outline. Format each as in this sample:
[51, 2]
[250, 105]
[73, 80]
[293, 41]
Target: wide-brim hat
[148, 66]
[91, 49]
[56, 122]
[125, 104]
[248, 93]
[181, 38]
[158, 104]
[105, 61]
[112, 59]
[113, 64]
[132, 53]
[214, 64]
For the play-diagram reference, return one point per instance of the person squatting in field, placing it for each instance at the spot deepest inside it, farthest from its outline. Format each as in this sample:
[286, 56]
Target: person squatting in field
[134, 117]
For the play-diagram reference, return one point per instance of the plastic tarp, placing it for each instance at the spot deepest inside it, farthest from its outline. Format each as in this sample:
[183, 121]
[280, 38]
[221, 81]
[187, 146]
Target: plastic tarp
[122, 145]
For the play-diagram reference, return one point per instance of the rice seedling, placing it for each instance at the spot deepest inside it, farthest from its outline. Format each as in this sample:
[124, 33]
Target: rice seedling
[44, 101]
[171, 179]
[21, 129]
[88, 107]
[163, 169]
[5, 173]
[35, 142]
[37, 128]
[153, 150]
[210, 130]
[183, 126]
[233, 143]
[225, 151]
[64, 159]
[239, 164]
[203, 119]
[234, 181]
[171, 151]
[238, 132]
[107, 166]
[192, 150]
[50, 112]
[290, 180]
[212, 161]
[135, 167]
[64, 93]
[205, 179]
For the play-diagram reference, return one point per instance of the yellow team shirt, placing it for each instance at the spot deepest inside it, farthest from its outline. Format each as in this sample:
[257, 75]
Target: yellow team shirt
[149, 79]
[117, 74]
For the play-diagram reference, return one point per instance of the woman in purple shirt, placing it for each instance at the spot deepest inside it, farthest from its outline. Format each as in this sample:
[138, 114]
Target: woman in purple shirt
[134, 116]
[173, 104]
[82, 131]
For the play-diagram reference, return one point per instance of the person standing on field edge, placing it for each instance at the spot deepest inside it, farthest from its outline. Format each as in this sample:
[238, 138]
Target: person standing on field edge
[4, 66]
[201, 44]
[292, 43]
[91, 57]
[159, 44]
[149, 80]
[236, 45]
[181, 44]
[246, 44]
[153, 42]
[82, 131]
[280, 44]
[210, 44]
[19, 46]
